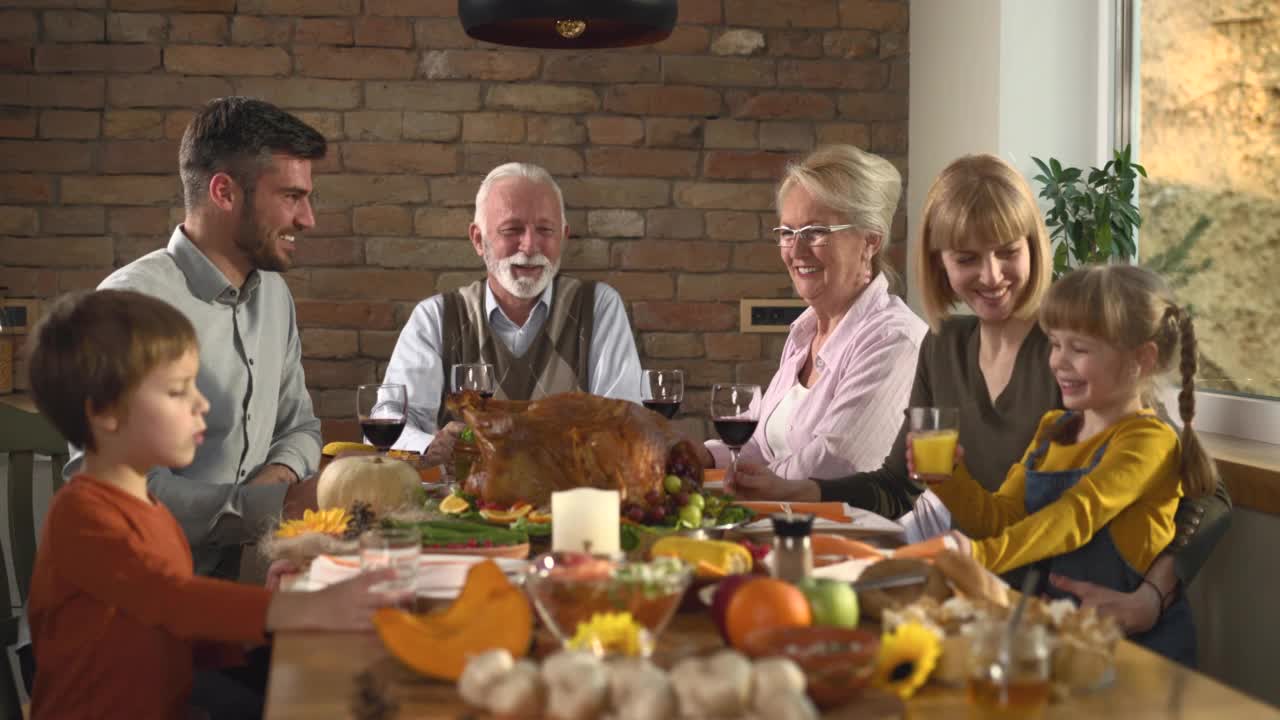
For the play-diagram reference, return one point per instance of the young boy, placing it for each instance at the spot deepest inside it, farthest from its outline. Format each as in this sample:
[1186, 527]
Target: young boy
[118, 619]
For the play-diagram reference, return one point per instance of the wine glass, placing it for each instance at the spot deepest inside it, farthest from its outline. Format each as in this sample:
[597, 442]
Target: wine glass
[479, 377]
[662, 390]
[381, 411]
[735, 410]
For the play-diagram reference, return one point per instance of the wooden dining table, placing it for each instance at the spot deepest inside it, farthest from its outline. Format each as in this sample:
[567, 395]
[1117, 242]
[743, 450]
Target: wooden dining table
[317, 675]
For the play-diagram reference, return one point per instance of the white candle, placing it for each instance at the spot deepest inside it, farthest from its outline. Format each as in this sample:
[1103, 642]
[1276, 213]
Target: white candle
[585, 519]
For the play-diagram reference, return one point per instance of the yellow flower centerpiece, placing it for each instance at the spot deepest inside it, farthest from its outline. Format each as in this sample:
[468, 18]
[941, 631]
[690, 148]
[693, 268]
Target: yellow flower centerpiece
[329, 522]
[612, 634]
[907, 656]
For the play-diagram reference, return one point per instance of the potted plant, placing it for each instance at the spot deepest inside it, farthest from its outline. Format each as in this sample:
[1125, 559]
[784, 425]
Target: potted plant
[1093, 218]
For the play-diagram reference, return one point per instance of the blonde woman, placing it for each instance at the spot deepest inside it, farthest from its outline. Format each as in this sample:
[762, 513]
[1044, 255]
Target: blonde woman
[833, 406]
[983, 243]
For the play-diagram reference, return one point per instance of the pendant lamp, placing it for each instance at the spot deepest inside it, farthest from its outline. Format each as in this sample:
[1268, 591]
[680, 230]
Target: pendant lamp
[568, 24]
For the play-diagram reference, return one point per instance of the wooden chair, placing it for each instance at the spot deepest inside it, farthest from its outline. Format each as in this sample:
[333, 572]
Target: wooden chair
[23, 435]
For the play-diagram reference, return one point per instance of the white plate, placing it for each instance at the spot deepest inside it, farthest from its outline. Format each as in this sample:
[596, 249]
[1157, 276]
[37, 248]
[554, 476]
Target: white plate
[439, 576]
[862, 522]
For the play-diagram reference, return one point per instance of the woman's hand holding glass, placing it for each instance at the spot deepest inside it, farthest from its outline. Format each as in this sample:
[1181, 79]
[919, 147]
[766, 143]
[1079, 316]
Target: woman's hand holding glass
[933, 448]
[750, 481]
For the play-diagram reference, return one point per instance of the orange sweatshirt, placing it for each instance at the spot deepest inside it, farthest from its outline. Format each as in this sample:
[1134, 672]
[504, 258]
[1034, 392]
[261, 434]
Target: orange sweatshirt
[117, 616]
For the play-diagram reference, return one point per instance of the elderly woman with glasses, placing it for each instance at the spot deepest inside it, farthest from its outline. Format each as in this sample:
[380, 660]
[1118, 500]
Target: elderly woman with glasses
[835, 404]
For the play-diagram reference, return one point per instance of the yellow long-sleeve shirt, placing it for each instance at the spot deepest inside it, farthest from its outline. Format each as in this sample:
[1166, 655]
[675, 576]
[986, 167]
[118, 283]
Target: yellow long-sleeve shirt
[1134, 489]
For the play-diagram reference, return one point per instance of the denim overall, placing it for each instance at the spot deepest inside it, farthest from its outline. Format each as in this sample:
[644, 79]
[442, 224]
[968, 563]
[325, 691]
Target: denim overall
[1100, 562]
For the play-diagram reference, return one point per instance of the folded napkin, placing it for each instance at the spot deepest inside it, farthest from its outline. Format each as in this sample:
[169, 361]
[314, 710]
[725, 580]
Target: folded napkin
[833, 511]
[928, 518]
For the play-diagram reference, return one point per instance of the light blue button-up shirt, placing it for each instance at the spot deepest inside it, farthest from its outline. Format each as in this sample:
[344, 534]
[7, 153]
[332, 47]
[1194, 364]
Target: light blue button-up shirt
[614, 364]
[259, 409]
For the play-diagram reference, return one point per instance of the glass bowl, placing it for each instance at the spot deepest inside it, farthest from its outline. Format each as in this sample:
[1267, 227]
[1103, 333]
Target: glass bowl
[568, 589]
[837, 662]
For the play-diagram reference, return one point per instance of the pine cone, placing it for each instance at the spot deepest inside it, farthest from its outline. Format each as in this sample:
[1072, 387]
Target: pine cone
[362, 518]
[371, 700]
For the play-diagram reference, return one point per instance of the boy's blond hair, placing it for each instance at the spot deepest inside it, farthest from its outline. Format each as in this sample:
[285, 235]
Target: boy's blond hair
[979, 202]
[92, 348]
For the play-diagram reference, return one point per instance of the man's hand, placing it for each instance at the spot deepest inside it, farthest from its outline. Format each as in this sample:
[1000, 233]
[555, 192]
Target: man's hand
[440, 451]
[299, 497]
[273, 474]
[1136, 612]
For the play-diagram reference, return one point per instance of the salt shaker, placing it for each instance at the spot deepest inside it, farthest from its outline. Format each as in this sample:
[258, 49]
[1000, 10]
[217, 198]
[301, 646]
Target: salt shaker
[792, 553]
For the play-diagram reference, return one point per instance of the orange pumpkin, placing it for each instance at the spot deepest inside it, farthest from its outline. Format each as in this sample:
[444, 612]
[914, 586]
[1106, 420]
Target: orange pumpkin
[491, 613]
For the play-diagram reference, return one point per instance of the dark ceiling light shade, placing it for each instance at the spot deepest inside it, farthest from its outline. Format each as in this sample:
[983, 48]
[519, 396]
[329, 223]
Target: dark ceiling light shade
[568, 24]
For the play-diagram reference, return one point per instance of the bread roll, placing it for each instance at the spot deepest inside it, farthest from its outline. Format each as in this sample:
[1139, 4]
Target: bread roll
[971, 579]
[873, 602]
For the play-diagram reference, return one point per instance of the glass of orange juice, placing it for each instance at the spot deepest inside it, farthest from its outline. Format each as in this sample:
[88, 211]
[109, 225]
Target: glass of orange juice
[934, 433]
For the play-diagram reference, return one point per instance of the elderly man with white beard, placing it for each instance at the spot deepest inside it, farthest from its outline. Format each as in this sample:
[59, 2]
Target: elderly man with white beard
[543, 332]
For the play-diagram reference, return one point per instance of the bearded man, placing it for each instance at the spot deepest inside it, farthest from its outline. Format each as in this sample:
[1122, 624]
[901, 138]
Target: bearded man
[246, 178]
[543, 332]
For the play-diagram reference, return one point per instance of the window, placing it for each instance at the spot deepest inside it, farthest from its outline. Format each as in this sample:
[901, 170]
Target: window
[1207, 106]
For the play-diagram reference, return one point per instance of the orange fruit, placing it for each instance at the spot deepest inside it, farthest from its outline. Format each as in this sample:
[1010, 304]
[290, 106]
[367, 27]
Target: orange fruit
[765, 603]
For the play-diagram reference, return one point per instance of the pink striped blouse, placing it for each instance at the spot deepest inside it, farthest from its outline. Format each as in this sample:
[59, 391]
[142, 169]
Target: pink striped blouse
[850, 417]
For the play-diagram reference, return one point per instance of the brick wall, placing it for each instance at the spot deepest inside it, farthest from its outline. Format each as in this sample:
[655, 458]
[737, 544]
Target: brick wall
[666, 154]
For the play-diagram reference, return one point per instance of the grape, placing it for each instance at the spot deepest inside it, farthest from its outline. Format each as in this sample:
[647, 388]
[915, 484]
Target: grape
[682, 498]
[653, 497]
[697, 501]
[672, 483]
[636, 514]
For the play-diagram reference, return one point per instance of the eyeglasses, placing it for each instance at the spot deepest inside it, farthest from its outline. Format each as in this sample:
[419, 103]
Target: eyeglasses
[812, 235]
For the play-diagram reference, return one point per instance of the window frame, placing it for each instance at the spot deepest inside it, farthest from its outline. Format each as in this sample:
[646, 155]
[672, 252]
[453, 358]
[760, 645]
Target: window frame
[1247, 417]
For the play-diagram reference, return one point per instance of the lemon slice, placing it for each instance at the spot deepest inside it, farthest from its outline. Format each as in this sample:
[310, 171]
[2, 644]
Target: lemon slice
[454, 505]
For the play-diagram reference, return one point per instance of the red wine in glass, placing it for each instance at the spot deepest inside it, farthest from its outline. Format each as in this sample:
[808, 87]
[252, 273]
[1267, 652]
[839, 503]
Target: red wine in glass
[381, 412]
[662, 391]
[665, 408]
[382, 432]
[735, 411]
[736, 433]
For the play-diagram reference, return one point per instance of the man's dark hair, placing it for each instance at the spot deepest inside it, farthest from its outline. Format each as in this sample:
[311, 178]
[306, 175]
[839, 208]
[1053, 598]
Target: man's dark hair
[237, 136]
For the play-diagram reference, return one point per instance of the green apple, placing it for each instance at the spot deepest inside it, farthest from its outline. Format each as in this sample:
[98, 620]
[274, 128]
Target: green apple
[833, 602]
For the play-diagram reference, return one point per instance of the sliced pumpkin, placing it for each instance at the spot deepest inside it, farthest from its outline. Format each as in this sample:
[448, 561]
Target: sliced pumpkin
[490, 614]
[335, 448]
[454, 505]
[538, 517]
[510, 515]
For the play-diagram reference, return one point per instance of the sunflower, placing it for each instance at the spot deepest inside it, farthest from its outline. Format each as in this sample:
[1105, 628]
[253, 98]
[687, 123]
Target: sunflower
[907, 656]
[330, 522]
[612, 633]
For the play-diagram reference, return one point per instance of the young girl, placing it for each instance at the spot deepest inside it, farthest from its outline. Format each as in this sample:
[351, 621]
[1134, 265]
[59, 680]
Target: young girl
[1094, 496]
[118, 619]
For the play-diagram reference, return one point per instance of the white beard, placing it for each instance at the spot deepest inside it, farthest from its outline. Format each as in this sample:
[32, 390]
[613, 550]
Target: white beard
[523, 288]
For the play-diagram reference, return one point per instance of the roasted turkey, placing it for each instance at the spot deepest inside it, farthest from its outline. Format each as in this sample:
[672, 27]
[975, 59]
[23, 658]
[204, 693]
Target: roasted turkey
[527, 450]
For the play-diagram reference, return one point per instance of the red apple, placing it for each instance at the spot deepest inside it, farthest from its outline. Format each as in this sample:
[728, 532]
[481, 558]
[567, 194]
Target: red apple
[720, 599]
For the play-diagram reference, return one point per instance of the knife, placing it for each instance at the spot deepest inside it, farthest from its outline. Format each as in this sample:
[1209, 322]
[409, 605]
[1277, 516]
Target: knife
[892, 581]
